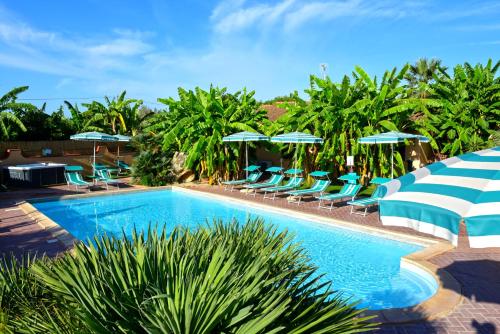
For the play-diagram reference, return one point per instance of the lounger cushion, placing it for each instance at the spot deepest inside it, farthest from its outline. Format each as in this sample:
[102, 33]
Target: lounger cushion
[364, 201]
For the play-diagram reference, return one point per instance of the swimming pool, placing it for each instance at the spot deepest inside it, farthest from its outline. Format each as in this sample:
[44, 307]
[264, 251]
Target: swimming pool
[361, 265]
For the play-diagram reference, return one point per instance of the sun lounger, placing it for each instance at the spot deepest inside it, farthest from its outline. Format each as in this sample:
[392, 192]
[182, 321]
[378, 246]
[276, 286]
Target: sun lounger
[104, 177]
[74, 178]
[122, 166]
[293, 183]
[274, 180]
[318, 187]
[349, 190]
[365, 203]
[253, 177]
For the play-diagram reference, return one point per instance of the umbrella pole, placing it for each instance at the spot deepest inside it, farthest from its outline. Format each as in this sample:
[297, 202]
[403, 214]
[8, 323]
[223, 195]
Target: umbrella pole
[93, 165]
[246, 158]
[296, 156]
[392, 161]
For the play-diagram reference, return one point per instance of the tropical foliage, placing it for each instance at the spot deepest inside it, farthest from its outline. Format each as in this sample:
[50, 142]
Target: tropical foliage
[467, 108]
[196, 122]
[459, 112]
[43, 126]
[115, 115]
[458, 109]
[153, 165]
[111, 117]
[227, 278]
[8, 107]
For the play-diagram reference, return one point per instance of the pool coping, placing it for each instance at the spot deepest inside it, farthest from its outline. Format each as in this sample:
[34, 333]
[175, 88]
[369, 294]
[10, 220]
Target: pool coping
[447, 297]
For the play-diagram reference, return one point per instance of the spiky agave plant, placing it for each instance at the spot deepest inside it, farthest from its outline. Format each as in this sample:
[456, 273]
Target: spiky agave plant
[226, 278]
[27, 305]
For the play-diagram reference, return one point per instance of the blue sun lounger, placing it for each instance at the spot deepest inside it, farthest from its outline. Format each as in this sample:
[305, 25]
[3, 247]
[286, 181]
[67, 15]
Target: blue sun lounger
[365, 203]
[104, 177]
[274, 180]
[122, 166]
[318, 187]
[254, 175]
[349, 190]
[293, 183]
[74, 178]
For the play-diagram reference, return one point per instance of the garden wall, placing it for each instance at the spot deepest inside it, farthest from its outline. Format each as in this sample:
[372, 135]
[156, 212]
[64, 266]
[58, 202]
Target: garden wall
[69, 152]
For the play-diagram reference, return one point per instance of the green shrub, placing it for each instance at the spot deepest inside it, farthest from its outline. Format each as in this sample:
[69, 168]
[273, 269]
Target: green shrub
[152, 167]
[227, 278]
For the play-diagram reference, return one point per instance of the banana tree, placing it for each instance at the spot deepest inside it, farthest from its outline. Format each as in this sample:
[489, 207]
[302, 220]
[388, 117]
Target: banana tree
[466, 109]
[199, 120]
[111, 115]
[9, 106]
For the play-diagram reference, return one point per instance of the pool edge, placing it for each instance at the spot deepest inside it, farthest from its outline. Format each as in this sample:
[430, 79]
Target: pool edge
[447, 297]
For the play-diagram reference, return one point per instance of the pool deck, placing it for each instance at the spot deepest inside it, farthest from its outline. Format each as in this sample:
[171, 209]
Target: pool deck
[477, 270]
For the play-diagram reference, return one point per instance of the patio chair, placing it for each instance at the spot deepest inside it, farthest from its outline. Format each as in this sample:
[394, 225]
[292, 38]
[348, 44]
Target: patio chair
[293, 183]
[98, 166]
[122, 166]
[275, 179]
[74, 178]
[253, 177]
[318, 187]
[348, 190]
[104, 177]
[365, 203]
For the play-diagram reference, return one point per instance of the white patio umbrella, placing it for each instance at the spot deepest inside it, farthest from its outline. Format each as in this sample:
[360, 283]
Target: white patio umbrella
[94, 137]
[245, 136]
[296, 138]
[391, 137]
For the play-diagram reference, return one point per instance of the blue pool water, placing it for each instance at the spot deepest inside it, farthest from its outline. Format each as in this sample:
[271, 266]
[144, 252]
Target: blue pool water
[360, 265]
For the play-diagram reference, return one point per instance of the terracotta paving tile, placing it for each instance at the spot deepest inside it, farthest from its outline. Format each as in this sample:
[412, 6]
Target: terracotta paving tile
[478, 270]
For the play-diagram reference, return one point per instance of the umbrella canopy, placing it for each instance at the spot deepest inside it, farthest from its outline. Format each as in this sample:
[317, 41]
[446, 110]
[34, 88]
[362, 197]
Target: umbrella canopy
[121, 138]
[94, 137]
[391, 137]
[245, 136]
[296, 138]
[436, 198]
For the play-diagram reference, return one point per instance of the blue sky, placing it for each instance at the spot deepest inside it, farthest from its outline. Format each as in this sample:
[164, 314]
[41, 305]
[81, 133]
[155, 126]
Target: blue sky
[91, 48]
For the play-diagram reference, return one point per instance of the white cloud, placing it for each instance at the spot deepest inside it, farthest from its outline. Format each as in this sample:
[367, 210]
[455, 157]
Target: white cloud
[231, 16]
[120, 47]
[242, 18]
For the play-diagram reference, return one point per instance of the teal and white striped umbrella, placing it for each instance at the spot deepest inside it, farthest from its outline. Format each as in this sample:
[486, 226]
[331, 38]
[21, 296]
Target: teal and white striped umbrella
[95, 137]
[391, 137]
[435, 199]
[121, 138]
[245, 136]
[296, 138]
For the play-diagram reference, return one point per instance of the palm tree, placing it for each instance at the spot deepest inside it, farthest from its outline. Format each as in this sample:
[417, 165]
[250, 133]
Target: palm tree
[8, 106]
[421, 74]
